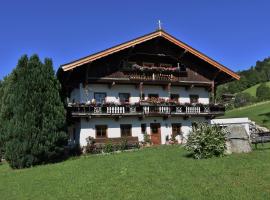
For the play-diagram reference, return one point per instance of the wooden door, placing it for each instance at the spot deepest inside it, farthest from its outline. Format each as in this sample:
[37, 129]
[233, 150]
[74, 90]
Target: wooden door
[155, 133]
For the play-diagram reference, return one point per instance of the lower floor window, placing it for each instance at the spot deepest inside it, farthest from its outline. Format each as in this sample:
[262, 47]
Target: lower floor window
[125, 130]
[176, 129]
[101, 131]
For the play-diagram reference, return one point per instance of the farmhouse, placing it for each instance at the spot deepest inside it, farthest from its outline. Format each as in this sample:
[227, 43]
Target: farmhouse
[154, 84]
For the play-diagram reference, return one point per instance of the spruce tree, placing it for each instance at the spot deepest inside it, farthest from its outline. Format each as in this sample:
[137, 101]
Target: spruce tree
[35, 124]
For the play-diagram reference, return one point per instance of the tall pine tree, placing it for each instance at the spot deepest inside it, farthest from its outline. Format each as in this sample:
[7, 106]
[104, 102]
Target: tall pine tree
[34, 115]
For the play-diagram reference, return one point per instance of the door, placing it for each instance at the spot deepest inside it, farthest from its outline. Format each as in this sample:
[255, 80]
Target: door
[155, 133]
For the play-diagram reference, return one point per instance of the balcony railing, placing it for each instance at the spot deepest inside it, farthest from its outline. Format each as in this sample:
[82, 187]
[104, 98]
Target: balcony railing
[139, 109]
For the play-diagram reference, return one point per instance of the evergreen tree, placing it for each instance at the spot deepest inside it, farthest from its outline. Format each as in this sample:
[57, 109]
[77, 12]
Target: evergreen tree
[263, 92]
[34, 116]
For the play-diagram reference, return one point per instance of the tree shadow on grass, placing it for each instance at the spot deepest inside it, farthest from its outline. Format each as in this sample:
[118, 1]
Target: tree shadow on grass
[188, 155]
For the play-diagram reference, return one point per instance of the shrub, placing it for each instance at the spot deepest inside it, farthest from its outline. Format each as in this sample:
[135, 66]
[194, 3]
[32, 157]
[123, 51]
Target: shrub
[75, 150]
[90, 146]
[146, 138]
[206, 141]
[123, 144]
[108, 147]
[263, 92]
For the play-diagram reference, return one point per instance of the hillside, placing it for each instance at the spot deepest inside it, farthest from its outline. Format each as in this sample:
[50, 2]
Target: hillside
[164, 172]
[257, 74]
[260, 113]
[252, 90]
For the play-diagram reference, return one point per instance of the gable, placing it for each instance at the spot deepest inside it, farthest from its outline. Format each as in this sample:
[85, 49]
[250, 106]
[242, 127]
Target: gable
[140, 40]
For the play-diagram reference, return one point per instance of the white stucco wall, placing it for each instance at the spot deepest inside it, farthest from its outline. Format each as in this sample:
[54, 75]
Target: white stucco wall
[233, 121]
[84, 94]
[87, 128]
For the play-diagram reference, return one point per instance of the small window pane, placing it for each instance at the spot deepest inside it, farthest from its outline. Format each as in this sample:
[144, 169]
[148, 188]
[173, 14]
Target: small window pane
[124, 97]
[101, 131]
[175, 97]
[194, 98]
[100, 97]
[125, 130]
[143, 128]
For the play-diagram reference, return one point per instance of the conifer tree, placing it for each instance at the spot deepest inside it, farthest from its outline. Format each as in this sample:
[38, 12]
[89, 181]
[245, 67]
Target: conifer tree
[34, 116]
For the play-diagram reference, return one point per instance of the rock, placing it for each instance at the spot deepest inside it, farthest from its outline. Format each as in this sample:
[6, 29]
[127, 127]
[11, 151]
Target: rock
[237, 140]
[255, 128]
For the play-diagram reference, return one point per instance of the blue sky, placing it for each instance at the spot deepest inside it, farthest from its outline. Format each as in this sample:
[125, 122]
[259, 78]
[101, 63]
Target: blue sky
[233, 32]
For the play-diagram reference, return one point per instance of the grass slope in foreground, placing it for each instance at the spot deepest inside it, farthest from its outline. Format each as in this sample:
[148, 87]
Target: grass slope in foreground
[163, 172]
[260, 113]
[252, 90]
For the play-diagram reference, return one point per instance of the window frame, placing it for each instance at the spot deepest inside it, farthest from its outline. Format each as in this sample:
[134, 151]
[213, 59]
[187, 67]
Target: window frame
[105, 96]
[178, 96]
[106, 130]
[191, 97]
[123, 128]
[144, 128]
[124, 93]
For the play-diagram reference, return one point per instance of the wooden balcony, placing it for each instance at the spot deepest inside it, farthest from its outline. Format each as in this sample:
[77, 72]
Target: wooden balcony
[83, 110]
[154, 77]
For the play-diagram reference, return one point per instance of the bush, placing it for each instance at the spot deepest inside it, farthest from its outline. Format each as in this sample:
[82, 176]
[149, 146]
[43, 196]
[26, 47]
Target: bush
[108, 147]
[75, 150]
[243, 99]
[123, 144]
[263, 92]
[146, 138]
[90, 146]
[206, 141]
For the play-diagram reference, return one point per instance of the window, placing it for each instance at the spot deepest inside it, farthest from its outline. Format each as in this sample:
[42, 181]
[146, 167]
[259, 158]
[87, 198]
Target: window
[152, 96]
[124, 97]
[125, 130]
[194, 98]
[143, 128]
[148, 64]
[175, 97]
[176, 129]
[165, 65]
[143, 96]
[101, 131]
[100, 97]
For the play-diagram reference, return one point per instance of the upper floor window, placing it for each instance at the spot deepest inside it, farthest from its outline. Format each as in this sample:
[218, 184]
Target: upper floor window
[148, 64]
[194, 98]
[124, 97]
[175, 97]
[165, 65]
[101, 131]
[125, 130]
[100, 97]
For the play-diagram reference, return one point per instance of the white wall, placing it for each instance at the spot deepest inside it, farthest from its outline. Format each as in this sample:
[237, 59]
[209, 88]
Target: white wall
[87, 128]
[83, 95]
[233, 121]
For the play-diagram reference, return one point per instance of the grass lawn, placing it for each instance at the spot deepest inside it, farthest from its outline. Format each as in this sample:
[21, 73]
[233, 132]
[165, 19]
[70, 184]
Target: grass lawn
[260, 113]
[252, 90]
[163, 172]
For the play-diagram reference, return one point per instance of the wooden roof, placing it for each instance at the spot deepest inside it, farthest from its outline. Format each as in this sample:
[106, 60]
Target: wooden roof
[158, 33]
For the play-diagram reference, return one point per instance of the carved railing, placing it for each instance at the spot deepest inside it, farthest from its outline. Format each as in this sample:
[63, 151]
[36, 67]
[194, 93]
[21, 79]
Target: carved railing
[146, 109]
[153, 76]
